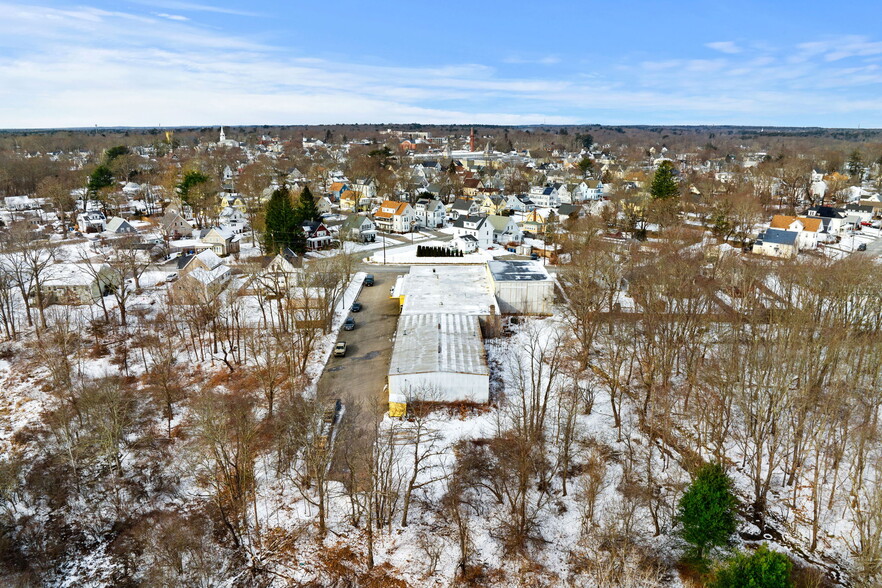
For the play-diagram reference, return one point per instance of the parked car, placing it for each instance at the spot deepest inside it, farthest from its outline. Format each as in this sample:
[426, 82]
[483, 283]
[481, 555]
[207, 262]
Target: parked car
[349, 324]
[340, 349]
[356, 307]
[866, 224]
[534, 256]
[171, 277]
[862, 247]
[369, 280]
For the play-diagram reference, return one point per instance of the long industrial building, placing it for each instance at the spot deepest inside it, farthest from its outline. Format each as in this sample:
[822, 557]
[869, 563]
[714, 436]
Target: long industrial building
[439, 354]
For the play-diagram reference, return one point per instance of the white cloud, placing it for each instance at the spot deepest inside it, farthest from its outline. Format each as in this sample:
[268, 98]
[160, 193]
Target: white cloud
[177, 17]
[724, 47]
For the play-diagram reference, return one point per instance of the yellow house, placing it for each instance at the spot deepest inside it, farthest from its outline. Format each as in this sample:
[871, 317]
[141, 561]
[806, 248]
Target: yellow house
[349, 199]
[491, 205]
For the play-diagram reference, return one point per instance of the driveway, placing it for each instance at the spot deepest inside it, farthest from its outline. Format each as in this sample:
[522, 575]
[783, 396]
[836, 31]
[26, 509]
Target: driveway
[359, 377]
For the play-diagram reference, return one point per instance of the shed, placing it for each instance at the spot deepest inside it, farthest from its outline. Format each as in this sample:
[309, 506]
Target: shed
[521, 287]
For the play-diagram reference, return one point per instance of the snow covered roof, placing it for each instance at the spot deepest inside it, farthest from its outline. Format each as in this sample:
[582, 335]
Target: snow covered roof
[438, 342]
[460, 289]
[209, 258]
[72, 274]
[207, 277]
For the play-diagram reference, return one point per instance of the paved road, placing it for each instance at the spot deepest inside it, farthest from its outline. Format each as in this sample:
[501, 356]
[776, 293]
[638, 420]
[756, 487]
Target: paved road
[359, 377]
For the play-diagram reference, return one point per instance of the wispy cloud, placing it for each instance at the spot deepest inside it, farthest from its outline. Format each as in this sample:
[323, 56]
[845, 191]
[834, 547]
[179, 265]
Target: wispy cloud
[546, 60]
[177, 17]
[724, 47]
[194, 7]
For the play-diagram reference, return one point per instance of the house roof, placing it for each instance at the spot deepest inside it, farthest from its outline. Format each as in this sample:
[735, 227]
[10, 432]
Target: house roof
[337, 186]
[779, 237]
[499, 222]
[462, 204]
[354, 221]
[518, 271]
[471, 219]
[115, 223]
[782, 221]
[400, 208]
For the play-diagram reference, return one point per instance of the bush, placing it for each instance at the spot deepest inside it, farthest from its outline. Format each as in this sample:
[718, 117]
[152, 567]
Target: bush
[761, 569]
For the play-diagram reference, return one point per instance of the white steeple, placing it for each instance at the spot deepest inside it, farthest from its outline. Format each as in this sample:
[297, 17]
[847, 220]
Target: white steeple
[223, 136]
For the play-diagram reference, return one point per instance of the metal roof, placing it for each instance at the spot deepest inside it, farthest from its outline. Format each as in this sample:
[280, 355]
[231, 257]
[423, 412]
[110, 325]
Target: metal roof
[429, 343]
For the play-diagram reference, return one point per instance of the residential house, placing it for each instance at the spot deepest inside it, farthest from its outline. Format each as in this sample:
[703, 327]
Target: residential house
[349, 200]
[367, 187]
[429, 213]
[776, 243]
[535, 220]
[78, 283]
[519, 203]
[359, 228]
[395, 217]
[809, 230]
[834, 220]
[505, 230]
[119, 226]
[222, 240]
[566, 211]
[233, 218]
[472, 186]
[318, 236]
[175, 226]
[200, 285]
[476, 226]
[278, 277]
[466, 243]
[545, 196]
[492, 205]
[464, 207]
[336, 189]
[91, 221]
[324, 205]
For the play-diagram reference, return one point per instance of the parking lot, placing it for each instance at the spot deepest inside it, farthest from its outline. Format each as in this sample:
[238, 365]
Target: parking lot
[359, 377]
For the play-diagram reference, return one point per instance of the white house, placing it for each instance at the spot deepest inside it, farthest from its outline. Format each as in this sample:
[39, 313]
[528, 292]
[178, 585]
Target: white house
[505, 229]
[464, 207]
[545, 196]
[808, 230]
[365, 187]
[358, 227]
[476, 226]
[91, 221]
[395, 217]
[776, 243]
[429, 213]
[77, 283]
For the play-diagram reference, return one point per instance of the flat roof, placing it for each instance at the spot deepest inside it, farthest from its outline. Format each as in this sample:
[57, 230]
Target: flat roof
[518, 271]
[459, 289]
[438, 342]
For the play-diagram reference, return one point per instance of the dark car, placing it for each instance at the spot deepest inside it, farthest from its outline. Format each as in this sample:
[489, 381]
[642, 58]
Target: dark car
[369, 280]
[862, 247]
[349, 324]
[356, 307]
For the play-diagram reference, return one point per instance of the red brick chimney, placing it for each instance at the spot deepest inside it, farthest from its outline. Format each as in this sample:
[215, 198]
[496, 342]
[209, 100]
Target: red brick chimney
[472, 140]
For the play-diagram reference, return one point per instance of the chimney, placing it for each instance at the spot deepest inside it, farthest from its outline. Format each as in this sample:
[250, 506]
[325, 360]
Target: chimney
[472, 140]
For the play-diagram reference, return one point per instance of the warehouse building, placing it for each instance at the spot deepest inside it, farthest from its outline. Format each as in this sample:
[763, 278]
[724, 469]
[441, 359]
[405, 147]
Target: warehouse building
[438, 358]
[521, 287]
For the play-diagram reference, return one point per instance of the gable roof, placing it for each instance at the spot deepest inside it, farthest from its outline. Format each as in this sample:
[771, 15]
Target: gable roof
[463, 219]
[462, 204]
[400, 208]
[779, 237]
[499, 222]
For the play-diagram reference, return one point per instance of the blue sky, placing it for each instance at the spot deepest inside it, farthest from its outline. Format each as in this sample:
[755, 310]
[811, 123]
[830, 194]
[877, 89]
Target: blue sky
[211, 62]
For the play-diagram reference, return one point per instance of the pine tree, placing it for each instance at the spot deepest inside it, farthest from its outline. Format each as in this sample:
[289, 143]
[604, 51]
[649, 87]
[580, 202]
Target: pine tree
[102, 177]
[761, 569]
[664, 184]
[306, 210]
[281, 222]
[707, 511]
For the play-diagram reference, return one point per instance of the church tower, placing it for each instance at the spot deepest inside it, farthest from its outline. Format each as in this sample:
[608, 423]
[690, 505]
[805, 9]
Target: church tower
[223, 136]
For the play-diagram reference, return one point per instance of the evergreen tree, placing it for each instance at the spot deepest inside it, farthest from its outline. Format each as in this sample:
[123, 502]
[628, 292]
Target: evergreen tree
[855, 165]
[281, 222]
[100, 178]
[306, 210]
[190, 180]
[761, 569]
[664, 185]
[707, 511]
